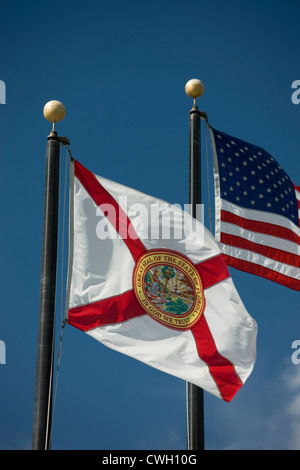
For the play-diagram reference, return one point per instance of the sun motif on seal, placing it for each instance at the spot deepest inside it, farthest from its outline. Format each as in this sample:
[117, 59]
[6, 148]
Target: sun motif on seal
[169, 288]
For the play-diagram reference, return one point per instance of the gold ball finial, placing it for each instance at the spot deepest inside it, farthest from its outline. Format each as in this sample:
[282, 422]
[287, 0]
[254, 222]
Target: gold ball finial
[194, 88]
[54, 111]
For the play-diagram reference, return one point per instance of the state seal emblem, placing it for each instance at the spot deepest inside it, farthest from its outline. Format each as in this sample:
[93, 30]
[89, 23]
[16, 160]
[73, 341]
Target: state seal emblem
[169, 288]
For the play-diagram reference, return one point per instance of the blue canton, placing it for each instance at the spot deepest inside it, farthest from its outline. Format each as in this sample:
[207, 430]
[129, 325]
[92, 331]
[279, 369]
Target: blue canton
[251, 178]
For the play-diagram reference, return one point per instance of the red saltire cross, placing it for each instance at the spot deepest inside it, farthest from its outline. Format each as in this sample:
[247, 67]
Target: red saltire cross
[125, 306]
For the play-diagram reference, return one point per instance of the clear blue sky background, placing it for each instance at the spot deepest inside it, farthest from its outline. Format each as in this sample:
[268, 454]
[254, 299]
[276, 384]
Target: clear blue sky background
[120, 69]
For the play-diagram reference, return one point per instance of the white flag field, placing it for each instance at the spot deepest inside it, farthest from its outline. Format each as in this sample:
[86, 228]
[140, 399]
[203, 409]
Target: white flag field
[149, 281]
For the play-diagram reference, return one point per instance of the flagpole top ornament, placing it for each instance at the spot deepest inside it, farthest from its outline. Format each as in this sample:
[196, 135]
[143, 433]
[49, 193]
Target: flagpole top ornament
[54, 111]
[194, 88]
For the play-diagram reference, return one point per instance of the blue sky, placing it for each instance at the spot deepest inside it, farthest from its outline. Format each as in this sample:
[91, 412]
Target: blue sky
[120, 69]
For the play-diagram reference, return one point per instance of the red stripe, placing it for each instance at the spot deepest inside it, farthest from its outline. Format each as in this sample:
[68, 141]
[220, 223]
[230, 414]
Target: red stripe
[297, 189]
[213, 270]
[263, 272]
[107, 311]
[119, 220]
[221, 369]
[261, 227]
[270, 252]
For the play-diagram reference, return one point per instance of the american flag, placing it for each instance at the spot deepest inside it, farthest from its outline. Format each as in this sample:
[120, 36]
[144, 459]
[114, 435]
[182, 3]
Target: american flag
[257, 209]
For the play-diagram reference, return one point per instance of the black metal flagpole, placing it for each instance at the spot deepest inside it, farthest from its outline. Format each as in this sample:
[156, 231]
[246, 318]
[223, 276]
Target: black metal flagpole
[54, 111]
[195, 400]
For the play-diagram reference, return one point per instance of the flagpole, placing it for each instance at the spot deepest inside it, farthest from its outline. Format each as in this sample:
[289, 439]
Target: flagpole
[54, 111]
[195, 401]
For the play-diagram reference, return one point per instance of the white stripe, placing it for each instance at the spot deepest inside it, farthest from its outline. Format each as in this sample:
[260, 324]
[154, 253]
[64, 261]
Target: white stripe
[261, 238]
[261, 260]
[260, 216]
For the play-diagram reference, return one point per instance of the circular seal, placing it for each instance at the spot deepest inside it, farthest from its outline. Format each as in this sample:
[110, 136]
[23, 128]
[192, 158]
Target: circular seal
[169, 288]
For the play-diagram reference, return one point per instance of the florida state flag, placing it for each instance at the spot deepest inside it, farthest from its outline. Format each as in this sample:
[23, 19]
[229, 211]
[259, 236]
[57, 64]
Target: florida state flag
[149, 281]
